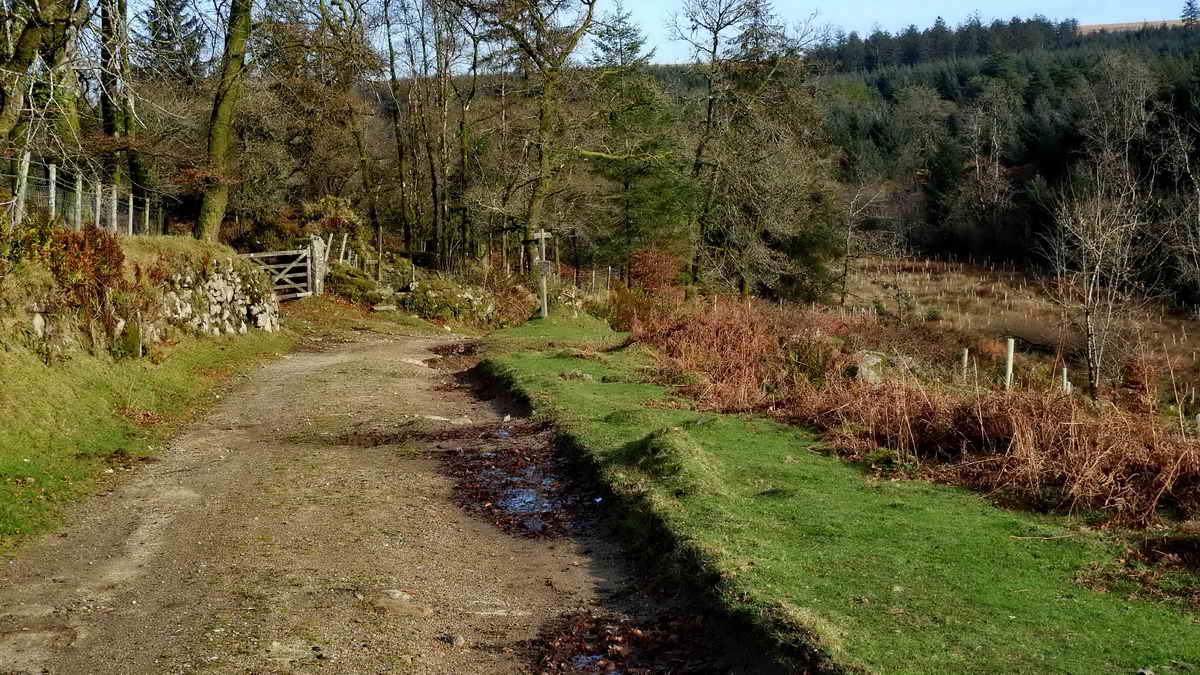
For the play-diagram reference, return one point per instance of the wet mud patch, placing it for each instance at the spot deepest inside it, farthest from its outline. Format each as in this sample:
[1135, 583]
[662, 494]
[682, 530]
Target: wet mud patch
[454, 357]
[591, 642]
[515, 478]
[1180, 552]
[418, 430]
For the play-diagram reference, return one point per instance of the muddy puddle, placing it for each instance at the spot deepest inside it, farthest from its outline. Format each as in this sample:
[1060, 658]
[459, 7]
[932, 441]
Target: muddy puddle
[454, 357]
[515, 475]
[515, 478]
[593, 642]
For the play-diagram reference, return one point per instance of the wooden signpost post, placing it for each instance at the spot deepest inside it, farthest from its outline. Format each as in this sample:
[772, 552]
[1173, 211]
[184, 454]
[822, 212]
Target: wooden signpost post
[541, 236]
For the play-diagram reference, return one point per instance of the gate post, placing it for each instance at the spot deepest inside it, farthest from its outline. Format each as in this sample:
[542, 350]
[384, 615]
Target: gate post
[316, 265]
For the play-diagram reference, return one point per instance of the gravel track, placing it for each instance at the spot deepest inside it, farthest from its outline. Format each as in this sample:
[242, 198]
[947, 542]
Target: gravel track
[264, 540]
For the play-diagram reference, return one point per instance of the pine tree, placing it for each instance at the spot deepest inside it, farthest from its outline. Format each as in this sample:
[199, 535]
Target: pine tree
[1191, 13]
[619, 41]
[170, 38]
[648, 188]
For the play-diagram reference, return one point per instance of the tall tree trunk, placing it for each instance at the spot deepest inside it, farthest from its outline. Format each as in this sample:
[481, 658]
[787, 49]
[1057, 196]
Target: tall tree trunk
[541, 183]
[397, 131]
[220, 128]
[368, 183]
[112, 108]
[139, 173]
[13, 71]
[65, 83]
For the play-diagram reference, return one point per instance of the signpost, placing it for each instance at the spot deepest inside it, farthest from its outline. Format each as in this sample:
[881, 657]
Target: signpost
[541, 236]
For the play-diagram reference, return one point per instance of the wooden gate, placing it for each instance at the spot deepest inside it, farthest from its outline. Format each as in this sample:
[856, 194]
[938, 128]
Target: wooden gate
[290, 272]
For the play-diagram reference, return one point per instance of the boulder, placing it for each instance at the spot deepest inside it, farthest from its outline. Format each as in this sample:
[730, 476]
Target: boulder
[866, 366]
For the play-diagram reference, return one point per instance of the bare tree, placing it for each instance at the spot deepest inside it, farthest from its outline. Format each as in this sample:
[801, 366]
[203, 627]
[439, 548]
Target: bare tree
[547, 33]
[1102, 235]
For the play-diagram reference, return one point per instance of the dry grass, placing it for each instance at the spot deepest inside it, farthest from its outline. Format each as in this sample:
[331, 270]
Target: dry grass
[1131, 25]
[1035, 445]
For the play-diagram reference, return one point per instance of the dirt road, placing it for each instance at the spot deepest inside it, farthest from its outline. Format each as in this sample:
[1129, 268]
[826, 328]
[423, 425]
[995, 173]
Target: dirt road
[266, 540]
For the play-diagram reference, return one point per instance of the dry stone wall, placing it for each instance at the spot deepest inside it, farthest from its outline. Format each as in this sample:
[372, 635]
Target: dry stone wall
[228, 296]
[226, 299]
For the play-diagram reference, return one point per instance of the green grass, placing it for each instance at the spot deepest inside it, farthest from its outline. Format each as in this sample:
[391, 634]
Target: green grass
[885, 576]
[64, 424]
[561, 329]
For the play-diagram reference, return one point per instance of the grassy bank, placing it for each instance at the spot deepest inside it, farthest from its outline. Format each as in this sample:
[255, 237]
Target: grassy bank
[65, 424]
[881, 575]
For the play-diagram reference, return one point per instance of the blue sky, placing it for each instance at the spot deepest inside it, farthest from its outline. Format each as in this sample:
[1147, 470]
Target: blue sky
[862, 15]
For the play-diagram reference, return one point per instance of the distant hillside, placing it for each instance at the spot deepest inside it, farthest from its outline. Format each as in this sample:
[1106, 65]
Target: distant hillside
[1133, 25]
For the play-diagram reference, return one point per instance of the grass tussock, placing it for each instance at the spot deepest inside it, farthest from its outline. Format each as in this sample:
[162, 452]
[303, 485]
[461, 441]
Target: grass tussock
[671, 456]
[1034, 445]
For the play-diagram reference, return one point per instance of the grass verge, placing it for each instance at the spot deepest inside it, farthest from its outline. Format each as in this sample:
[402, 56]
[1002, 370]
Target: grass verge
[877, 575]
[64, 424]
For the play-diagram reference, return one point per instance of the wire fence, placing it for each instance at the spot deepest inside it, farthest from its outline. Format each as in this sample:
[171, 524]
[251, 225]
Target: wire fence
[78, 201]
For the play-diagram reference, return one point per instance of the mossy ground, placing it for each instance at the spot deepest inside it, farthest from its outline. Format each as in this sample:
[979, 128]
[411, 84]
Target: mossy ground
[882, 575]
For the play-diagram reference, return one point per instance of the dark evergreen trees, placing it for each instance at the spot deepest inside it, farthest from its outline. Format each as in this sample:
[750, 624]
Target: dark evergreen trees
[648, 194]
[171, 40]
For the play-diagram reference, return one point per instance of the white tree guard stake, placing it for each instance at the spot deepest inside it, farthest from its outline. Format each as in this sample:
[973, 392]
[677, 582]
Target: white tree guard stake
[1066, 384]
[1008, 364]
[965, 360]
[541, 236]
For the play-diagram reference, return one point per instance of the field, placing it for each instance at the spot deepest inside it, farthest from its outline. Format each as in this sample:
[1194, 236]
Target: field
[879, 572]
[1131, 25]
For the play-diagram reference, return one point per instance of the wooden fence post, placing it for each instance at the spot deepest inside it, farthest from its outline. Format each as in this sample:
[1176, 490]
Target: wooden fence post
[78, 200]
[22, 183]
[1008, 364]
[96, 208]
[52, 176]
[112, 210]
[146, 215]
[129, 215]
[965, 360]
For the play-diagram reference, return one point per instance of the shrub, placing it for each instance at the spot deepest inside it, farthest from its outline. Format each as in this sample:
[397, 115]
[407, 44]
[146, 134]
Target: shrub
[351, 283]
[28, 240]
[87, 263]
[653, 270]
